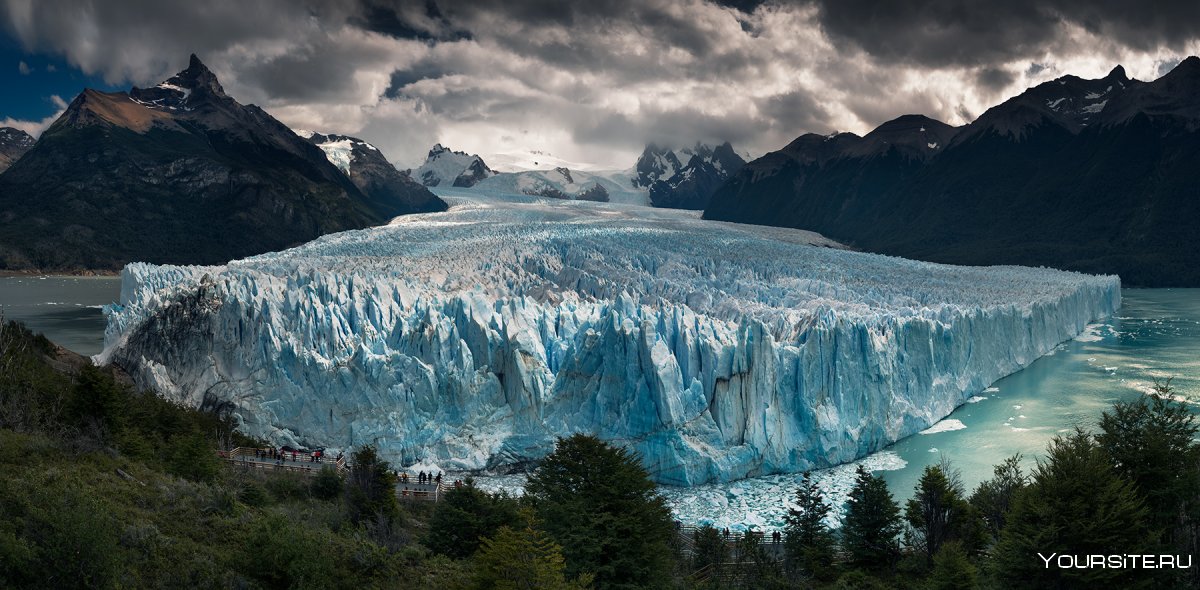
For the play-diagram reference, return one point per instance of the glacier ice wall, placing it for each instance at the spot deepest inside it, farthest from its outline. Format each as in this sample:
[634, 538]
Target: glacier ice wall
[476, 336]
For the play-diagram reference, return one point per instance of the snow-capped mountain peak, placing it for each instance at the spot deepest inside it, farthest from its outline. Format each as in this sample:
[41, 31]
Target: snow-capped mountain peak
[687, 177]
[339, 149]
[445, 167]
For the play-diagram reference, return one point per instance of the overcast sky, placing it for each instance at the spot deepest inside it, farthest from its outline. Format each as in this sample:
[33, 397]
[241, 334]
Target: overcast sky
[586, 81]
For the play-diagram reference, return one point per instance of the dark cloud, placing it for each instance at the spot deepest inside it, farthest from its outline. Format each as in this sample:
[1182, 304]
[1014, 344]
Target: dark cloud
[972, 33]
[422, 70]
[605, 75]
[407, 20]
[795, 110]
[995, 78]
[316, 72]
[142, 40]
[941, 32]
[1138, 25]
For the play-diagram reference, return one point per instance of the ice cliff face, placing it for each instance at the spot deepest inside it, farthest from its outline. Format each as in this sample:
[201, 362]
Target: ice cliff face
[474, 337]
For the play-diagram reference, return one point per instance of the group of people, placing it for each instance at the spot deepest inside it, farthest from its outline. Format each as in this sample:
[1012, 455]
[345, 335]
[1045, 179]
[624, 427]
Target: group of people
[422, 477]
[776, 536]
[281, 456]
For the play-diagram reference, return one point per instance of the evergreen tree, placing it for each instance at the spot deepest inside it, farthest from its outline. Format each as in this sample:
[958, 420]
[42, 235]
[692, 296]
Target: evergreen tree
[193, 457]
[1076, 504]
[757, 568]
[523, 559]
[600, 505]
[809, 542]
[938, 513]
[952, 570]
[96, 397]
[872, 523]
[709, 550]
[993, 498]
[1151, 442]
[370, 487]
[465, 516]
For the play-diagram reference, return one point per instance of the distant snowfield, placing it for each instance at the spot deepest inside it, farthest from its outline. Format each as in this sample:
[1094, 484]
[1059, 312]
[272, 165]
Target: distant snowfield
[617, 183]
[472, 338]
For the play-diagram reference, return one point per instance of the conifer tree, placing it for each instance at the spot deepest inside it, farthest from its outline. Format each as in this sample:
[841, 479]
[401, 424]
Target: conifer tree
[523, 558]
[872, 523]
[952, 570]
[1075, 504]
[598, 502]
[370, 487]
[809, 542]
[709, 550]
[993, 498]
[465, 516]
[938, 513]
[1151, 442]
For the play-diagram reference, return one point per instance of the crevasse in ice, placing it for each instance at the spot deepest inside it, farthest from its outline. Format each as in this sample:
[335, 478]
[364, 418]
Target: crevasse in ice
[474, 337]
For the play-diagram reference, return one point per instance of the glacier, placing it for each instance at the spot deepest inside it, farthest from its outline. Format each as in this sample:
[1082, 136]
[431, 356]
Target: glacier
[474, 337]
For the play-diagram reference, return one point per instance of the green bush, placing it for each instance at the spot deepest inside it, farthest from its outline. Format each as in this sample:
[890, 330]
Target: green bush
[327, 485]
[465, 516]
[192, 457]
[253, 494]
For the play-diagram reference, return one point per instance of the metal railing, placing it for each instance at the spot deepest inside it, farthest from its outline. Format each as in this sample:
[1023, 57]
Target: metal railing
[251, 457]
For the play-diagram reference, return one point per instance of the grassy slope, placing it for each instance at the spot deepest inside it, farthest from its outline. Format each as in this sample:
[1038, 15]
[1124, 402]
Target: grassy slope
[91, 496]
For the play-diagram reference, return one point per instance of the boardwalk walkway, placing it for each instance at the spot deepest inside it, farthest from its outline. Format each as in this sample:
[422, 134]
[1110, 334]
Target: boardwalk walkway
[260, 459]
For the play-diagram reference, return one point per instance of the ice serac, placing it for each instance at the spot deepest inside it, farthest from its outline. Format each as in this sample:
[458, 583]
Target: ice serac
[474, 337]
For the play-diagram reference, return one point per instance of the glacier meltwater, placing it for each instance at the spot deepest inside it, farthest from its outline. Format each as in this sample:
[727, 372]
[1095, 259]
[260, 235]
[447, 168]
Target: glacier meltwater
[473, 338]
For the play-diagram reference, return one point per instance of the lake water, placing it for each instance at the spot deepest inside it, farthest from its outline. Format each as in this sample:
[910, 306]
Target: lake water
[1155, 335]
[66, 309]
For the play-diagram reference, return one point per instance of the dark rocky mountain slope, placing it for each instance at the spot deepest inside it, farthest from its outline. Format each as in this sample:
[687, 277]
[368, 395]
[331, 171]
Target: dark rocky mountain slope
[366, 166]
[178, 173]
[1091, 175]
[13, 144]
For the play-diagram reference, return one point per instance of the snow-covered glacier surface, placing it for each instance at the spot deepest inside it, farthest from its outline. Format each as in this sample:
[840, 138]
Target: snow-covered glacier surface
[472, 338]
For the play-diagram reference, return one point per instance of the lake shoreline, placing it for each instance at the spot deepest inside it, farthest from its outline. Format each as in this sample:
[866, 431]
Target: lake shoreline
[60, 274]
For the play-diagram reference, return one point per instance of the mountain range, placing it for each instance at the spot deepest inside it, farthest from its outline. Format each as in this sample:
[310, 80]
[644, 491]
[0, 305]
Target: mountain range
[179, 173]
[679, 183]
[663, 177]
[1097, 176]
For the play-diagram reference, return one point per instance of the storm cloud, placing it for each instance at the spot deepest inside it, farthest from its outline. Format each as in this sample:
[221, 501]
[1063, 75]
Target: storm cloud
[595, 81]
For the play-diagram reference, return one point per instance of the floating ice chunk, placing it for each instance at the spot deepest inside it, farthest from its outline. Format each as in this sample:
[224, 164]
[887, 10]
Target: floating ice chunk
[1091, 334]
[945, 426]
[974, 399]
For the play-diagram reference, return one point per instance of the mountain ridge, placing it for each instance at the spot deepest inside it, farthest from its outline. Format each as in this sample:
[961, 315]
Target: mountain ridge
[1087, 175]
[177, 173]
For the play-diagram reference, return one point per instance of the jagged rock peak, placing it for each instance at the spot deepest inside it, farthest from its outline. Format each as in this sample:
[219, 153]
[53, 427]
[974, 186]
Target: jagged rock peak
[182, 91]
[14, 136]
[197, 76]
